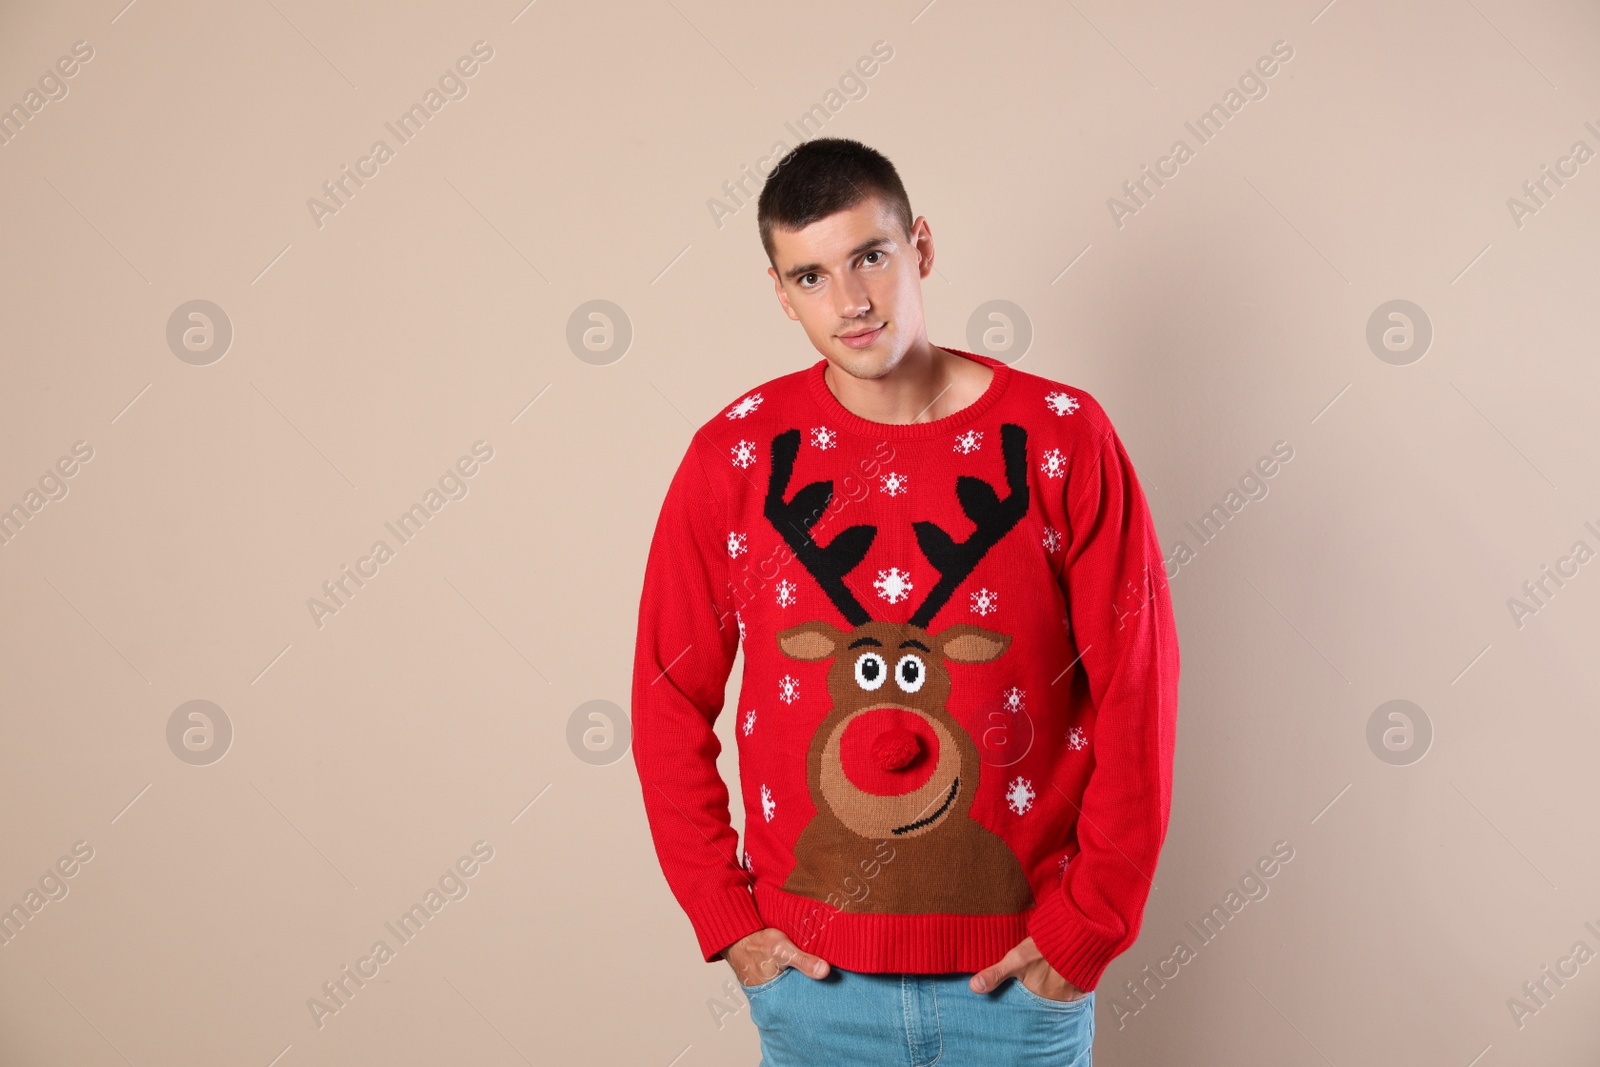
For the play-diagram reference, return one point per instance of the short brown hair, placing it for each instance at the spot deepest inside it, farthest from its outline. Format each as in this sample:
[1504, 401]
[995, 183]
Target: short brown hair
[823, 176]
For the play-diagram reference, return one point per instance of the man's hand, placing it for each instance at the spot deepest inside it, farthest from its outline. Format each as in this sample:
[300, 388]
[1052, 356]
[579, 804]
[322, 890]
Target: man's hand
[1026, 962]
[757, 958]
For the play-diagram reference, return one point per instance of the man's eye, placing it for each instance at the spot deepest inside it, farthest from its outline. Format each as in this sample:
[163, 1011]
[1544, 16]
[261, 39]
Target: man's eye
[864, 258]
[803, 279]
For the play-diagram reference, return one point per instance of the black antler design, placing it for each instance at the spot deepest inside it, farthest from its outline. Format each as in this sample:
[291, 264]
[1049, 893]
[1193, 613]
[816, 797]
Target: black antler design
[793, 520]
[992, 516]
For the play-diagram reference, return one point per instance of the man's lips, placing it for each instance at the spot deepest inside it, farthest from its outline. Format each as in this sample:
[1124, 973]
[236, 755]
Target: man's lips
[863, 338]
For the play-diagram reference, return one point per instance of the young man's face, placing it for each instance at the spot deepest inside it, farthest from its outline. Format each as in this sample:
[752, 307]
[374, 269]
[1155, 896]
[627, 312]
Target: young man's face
[853, 280]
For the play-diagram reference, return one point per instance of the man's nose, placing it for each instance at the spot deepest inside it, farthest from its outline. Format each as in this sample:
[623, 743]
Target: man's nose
[851, 301]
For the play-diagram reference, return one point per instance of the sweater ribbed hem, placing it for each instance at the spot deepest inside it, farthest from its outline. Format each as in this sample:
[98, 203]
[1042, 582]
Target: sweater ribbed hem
[1077, 953]
[721, 918]
[876, 943]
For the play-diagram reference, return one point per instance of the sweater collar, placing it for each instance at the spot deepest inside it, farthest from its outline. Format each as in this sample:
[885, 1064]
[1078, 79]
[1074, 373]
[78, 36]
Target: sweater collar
[899, 431]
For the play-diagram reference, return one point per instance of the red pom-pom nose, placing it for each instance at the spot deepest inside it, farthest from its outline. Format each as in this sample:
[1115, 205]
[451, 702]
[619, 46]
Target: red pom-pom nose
[894, 748]
[889, 751]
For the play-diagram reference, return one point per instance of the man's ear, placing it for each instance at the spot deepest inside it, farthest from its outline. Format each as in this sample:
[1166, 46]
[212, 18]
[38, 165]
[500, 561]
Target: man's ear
[922, 240]
[783, 297]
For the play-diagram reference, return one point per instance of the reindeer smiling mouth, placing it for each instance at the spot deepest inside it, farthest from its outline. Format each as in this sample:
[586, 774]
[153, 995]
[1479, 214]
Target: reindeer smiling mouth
[949, 799]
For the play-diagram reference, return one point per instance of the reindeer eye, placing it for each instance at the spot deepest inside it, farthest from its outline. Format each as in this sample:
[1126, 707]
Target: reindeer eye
[909, 673]
[871, 670]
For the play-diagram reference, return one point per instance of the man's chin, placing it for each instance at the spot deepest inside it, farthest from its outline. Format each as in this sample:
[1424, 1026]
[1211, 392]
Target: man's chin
[863, 365]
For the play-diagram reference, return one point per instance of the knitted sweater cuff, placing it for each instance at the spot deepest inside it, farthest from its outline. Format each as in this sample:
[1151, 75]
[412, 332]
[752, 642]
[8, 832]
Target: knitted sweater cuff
[721, 917]
[1068, 944]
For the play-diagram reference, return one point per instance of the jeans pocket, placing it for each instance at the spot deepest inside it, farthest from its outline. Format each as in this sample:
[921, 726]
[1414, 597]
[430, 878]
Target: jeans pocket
[1065, 1006]
[762, 987]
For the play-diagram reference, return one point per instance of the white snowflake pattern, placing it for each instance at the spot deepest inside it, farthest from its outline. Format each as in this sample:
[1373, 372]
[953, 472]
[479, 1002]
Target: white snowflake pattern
[985, 601]
[745, 406]
[1076, 740]
[969, 442]
[749, 721]
[1014, 699]
[740, 620]
[786, 593]
[737, 545]
[1054, 464]
[894, 585]
[892, 483]
[788, 689]
[823, 437]
[744, 454]
[1019, 795]
[1062, 403]
[1061, 864]
[1052, 539]
[768, 806]
[748, 863]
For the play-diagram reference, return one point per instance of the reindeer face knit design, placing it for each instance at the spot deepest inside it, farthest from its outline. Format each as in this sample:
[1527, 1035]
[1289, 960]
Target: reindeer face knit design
[956, 718]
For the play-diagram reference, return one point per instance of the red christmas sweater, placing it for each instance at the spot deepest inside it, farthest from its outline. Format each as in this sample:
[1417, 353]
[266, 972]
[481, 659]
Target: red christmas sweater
[957, 713]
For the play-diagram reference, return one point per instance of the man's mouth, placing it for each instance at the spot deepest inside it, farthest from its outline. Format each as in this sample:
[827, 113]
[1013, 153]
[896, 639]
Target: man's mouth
[862, 338]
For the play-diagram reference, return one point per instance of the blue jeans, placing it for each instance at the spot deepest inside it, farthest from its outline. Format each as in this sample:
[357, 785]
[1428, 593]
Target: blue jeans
[852, 1019]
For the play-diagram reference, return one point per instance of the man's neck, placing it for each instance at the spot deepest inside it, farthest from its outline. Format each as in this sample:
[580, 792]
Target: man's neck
[927, 385]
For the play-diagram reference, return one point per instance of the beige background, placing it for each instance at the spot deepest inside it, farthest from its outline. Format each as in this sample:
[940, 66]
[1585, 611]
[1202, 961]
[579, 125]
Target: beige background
[371, 352]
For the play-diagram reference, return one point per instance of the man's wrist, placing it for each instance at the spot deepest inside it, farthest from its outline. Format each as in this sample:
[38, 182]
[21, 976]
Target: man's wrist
[1072, 949]
[722, 918]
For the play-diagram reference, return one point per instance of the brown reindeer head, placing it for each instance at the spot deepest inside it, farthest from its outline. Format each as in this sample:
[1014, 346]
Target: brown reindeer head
[889, 761]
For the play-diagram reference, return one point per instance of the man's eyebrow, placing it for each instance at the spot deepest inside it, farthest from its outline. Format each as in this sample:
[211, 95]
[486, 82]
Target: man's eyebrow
[806, 268]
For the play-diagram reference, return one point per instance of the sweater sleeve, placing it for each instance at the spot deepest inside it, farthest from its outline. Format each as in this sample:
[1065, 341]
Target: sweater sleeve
[685, 648]
[1120, 611]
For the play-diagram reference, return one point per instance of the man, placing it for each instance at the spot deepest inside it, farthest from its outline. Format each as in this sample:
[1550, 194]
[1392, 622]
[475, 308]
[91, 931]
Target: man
[956, 718]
